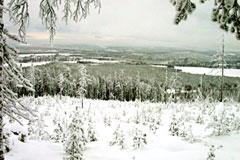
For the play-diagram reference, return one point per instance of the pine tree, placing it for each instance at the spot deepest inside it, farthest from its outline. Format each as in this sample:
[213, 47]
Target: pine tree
[75, 139]
[91, 132]
[82, 82]
[174, 126]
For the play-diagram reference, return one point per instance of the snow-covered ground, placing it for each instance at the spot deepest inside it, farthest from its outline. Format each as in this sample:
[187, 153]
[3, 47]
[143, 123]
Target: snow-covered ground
[210, 71]
[94, 61]
[28, 64]
[98, 61]
[198, 124]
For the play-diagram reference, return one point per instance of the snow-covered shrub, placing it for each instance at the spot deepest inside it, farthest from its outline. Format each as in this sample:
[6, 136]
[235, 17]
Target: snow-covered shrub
[91, 131]
[118, 138]
[189, 135]
[107, 120]
[199, 119]
[22, 137]
[6, 142]
[211, 153]
[139, 139]
[174, 126]
[58, 133]
[220, 122]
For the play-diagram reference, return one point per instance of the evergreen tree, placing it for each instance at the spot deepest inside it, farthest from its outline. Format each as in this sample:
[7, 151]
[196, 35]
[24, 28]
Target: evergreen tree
[91, 131]
[82, 82]
[139, 139]
[174, 126]
[60, 84]
[75, 139]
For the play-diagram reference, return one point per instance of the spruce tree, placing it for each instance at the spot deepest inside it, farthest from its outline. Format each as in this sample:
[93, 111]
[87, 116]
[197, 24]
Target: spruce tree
[75, 139]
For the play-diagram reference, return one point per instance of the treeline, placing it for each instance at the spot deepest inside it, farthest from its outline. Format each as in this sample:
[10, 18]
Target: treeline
[58, 78]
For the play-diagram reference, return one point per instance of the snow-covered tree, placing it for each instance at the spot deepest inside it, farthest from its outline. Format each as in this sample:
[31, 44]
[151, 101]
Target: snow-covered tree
[91, 131]
[118, 138]
[225, 13]
[75, 139]
[60, 83]
[174, 126]
[82, 82]
[19, 15]
[139, 139]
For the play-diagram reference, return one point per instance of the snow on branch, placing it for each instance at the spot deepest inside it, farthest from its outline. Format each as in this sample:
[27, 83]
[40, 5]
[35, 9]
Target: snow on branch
[19, 15]
[49, 17]
[225, 13]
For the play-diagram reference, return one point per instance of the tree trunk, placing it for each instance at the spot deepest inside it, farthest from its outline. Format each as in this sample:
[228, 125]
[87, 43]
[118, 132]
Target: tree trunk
[1, 81]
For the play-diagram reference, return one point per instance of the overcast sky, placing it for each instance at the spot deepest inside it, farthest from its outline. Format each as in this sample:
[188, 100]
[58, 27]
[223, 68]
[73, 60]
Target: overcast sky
[136, 23]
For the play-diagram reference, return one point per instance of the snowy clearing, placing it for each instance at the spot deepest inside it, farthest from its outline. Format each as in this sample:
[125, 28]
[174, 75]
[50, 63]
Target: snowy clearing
[182, 131]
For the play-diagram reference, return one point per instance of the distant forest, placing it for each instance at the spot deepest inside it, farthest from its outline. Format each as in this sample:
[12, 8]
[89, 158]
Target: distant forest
[120, 85]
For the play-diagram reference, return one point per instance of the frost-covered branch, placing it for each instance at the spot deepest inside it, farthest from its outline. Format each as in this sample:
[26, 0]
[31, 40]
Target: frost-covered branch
[225, 12]
[49, 17]
[72, 10]
[67, 11]
[19, 15]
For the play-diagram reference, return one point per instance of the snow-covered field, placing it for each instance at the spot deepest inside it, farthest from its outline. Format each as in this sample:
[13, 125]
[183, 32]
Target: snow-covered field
[130, 130]
[28, 64]
[210, 71]
[94, 61]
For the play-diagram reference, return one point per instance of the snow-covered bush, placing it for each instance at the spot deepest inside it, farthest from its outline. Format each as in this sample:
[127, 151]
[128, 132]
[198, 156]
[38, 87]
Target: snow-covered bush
[107, 120]
[58, 133]
[211, 153]
[174, 126]
[6, 142]
[223, 120]
[139, 139]
[91, 133]
[118, 138]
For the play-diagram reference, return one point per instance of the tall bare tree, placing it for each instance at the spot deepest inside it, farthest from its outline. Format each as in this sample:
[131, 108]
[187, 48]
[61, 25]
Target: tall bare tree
[17, 11]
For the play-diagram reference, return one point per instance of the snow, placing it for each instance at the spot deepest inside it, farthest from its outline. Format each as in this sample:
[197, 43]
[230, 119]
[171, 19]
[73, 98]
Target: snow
[160, 145]
[44, 54]
[28, 64]
[159, 66]
[37, 54]
[99, 61]
[210, 71]
[36, 150]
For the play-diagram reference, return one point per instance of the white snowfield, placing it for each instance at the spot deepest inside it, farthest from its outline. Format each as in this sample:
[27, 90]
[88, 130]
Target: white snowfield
[153, 119]
[210, 71]
[94, 61]
[28, 64]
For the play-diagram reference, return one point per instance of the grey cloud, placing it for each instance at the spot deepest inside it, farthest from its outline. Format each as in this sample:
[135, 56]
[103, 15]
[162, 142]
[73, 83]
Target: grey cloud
[139, 22]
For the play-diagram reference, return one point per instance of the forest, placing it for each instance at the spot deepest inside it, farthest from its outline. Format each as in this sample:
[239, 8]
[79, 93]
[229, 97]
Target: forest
[124, 84]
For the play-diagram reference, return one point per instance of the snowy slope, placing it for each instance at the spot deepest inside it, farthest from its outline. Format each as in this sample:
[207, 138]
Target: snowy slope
[107, 116]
